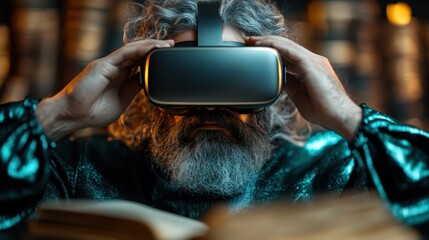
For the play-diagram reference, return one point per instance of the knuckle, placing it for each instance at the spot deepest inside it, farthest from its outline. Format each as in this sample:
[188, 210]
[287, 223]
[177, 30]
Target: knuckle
[149, 41]
[324, 60]
[128, 45]
[93, 63]
[320, 59]
[157, 45]
[98, 64]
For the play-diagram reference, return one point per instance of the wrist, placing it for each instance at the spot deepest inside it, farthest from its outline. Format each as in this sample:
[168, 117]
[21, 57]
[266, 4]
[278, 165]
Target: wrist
[52, 116]
[350, 123]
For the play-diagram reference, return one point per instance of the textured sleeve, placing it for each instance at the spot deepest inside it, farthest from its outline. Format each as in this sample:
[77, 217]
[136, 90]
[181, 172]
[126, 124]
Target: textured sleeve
[24, 161]
[397, 159]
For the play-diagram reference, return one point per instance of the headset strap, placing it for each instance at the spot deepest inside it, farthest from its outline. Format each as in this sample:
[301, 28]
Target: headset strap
[209, 24]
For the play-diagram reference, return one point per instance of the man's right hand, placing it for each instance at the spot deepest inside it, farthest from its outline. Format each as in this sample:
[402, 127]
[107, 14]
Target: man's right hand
[99, 94]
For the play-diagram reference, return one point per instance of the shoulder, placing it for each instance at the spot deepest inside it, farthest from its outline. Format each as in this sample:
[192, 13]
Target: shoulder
[325, 154]
[324, 142]
[318, 145]
[95, 148]
[323, 163]
[99, 142]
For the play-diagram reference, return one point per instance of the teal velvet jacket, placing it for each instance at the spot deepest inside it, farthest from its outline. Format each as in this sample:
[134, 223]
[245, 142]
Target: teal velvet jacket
[385, 154]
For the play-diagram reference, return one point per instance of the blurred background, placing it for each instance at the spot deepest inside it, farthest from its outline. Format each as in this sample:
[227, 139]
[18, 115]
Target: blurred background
[380, 49]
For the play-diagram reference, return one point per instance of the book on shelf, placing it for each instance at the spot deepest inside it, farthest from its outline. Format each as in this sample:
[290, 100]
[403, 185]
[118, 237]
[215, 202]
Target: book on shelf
[352, 216]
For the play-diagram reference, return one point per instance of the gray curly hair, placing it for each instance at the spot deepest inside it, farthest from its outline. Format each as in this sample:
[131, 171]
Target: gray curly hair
[163, 19]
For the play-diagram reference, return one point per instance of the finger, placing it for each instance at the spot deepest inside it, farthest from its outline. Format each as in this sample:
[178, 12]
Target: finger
[310, 66]
[290, 50]
[249, 41]
[129, 89]
[292, 84]
[132, 53]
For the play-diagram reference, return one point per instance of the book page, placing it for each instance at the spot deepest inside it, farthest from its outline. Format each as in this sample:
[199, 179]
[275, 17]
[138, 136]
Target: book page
[165, 225]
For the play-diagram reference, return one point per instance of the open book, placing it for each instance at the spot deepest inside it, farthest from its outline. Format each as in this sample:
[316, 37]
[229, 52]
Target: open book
[110, 220]
[350, 216]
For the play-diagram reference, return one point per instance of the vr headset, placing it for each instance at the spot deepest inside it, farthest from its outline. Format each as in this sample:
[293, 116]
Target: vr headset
[211, 73]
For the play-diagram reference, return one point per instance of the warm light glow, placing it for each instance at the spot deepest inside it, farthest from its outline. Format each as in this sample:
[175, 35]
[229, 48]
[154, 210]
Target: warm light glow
[398, 13]
[317, 14]
[4, 53]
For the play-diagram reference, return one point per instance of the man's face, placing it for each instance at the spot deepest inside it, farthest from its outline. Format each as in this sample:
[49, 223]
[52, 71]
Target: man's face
[211, 150]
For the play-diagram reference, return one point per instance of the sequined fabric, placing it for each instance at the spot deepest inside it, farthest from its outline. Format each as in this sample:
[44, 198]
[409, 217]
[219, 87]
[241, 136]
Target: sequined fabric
[24, 167]
[396, 156]
[386, 155]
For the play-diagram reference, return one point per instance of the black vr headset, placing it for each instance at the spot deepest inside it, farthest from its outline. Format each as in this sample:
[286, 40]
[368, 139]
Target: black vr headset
[211, 73]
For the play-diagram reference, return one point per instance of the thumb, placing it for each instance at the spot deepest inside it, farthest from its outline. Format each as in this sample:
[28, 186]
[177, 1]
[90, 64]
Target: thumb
[292, 85]
[129, 89]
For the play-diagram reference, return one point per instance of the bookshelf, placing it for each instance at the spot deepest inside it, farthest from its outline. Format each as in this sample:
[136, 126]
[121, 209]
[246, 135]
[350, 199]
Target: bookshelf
[44, 44]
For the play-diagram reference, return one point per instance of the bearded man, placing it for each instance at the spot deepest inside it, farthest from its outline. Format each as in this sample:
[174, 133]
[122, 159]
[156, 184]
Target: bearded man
[187, 163]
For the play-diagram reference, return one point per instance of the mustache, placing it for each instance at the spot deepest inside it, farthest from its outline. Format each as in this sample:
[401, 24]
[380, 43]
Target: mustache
[195, 118]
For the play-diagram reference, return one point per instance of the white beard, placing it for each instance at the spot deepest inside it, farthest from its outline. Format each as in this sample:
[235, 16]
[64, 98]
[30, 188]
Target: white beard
[212, 162]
